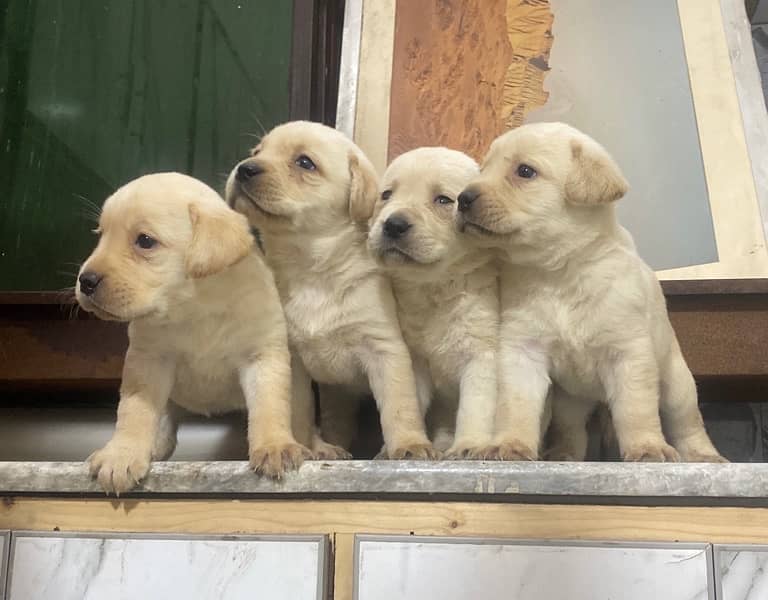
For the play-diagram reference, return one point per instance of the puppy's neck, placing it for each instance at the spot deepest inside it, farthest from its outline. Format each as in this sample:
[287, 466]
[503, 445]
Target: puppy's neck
[596, 234]
[314, 251]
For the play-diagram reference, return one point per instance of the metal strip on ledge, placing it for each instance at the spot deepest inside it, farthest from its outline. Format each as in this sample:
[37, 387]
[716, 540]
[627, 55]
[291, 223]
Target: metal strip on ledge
[491, 481]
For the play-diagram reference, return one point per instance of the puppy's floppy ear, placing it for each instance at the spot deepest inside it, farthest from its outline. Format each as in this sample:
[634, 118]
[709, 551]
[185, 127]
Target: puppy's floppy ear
[595, 178]
[363, 188]
[220, 238]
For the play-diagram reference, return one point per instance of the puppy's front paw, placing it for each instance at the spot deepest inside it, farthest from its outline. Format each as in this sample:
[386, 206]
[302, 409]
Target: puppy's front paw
[651, 452]
[514, 450]
[118, 467]
[274, 460]
[413, 451]
[467, 451]
[325, 451]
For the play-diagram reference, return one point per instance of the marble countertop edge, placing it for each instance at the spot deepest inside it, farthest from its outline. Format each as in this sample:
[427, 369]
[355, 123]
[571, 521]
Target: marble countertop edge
[493, 480]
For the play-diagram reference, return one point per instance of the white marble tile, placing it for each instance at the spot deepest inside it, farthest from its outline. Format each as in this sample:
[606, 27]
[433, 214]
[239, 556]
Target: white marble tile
[494, 571]
[67, 568]
[743, 574]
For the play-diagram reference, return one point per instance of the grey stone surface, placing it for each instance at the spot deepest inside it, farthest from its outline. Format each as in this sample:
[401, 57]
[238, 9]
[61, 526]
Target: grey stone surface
[491, 480]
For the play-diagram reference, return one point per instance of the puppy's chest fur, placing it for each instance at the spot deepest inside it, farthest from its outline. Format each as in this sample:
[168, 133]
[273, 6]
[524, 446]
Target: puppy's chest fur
[571, 324]
[216, 334]
[329, 308]
[447, 323]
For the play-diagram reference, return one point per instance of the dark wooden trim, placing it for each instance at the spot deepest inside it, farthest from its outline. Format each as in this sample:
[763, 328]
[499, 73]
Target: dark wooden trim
[300, 92]
[715, 286]
[32, 298]
[329, 27]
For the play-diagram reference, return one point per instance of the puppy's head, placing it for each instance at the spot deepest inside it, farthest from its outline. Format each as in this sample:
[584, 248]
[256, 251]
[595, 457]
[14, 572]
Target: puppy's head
[156, 233]
[414, 219]
[539, 183]
[303, 176]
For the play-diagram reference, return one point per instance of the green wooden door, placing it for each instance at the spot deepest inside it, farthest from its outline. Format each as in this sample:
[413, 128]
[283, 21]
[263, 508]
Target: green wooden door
[94, 93]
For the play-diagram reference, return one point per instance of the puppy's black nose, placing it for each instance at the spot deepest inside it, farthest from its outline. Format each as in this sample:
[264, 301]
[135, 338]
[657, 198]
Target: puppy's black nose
[395, 226]
[247, 170]
[89, 281]
[467, 198]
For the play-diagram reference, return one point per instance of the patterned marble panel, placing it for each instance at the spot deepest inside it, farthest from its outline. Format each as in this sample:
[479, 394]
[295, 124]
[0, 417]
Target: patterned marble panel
[155, 568]
[496, 570]
[742, 572]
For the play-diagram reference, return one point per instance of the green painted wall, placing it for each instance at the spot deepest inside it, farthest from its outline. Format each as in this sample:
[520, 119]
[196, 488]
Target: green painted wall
[95, 93]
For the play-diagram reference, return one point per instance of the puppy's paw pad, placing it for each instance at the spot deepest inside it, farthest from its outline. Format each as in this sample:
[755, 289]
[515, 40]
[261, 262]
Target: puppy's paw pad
[275, 459]
[512, 451]
[652, 453]
[418, 451]
[118, 468]
[327, 451]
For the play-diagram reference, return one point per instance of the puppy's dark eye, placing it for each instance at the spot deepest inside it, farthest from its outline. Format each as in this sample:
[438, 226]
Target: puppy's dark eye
[305, 163]
[526, 171]
[386, 195]
[443, 200]
[145, 242]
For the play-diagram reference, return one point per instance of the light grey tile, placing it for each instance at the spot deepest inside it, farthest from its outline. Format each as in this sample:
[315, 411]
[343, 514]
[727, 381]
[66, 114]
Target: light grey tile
[91, 568]
[451, 570]
[743, 573]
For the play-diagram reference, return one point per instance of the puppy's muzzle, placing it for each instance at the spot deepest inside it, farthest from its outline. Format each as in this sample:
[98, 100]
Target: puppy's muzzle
[467, 199]
[248, 170]
[395, 227]
[89, 281]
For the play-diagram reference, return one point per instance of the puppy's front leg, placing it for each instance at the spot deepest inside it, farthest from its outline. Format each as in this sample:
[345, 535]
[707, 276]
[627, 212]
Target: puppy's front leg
[631, 380]
[390, 375]
[124, 461]
[523, 385]
[266, 384]
[477, 407]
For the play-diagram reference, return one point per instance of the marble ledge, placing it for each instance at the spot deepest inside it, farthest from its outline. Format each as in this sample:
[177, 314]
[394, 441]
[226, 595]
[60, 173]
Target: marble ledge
[734, 483]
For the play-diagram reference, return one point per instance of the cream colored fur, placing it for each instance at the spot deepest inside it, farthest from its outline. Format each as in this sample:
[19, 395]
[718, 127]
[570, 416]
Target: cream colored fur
[342, 319]
[447, 295]
[579, 306]
[206, 326]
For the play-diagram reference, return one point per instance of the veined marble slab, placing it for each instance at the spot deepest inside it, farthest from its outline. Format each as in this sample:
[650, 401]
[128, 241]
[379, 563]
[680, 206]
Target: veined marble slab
[94, 567]
[742, 572]
[434, 569]
[713, 483]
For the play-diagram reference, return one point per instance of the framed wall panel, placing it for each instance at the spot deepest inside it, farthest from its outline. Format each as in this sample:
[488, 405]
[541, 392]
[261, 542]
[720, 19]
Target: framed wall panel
[459, 74]
[46, 565]
[495, 569]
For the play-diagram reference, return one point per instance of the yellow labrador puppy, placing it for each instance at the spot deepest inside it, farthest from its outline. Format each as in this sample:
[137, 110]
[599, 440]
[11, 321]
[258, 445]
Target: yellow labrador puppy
[177, 263]
[579, 306]
[309, 190]
[446, 291]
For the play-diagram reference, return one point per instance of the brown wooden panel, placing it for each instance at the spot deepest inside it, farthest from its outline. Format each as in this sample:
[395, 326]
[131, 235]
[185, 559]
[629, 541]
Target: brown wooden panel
[42, 345]
[450, 60]
[454, 519]
[722, 335]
